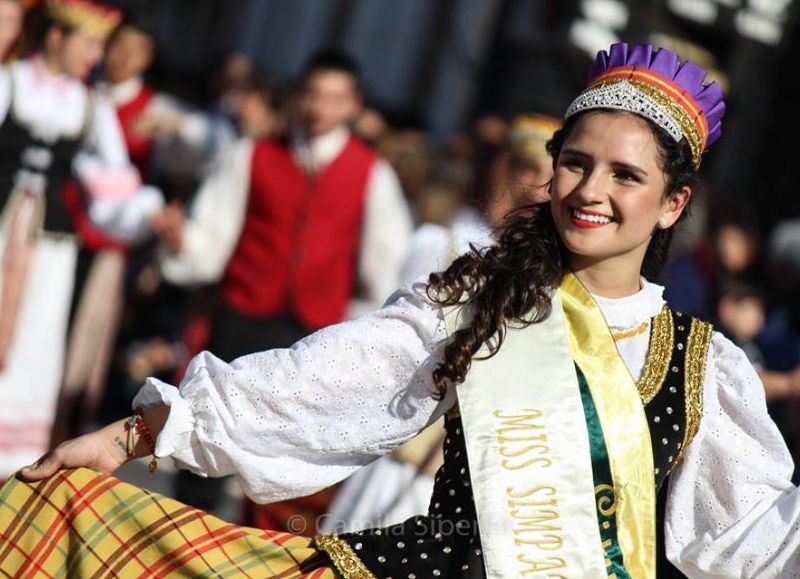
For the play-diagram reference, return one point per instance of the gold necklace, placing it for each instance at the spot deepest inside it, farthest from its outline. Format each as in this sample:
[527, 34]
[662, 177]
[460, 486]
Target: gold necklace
[640, 329]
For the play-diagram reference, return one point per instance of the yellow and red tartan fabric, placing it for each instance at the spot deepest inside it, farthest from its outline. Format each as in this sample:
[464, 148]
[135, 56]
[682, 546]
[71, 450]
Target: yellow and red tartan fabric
[80, 523]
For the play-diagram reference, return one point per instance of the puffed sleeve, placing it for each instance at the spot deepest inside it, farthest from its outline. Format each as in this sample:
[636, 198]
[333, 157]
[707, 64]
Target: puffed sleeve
[288, 422]
[732, 510]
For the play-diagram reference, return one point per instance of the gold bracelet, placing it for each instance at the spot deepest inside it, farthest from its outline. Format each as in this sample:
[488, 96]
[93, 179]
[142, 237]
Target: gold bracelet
[137, 424]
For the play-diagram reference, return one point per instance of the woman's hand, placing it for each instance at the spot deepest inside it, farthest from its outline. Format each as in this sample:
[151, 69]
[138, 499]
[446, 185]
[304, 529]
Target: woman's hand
[103, 450]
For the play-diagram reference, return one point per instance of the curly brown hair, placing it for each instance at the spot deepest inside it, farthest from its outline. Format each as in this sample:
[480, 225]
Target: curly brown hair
[512, 281]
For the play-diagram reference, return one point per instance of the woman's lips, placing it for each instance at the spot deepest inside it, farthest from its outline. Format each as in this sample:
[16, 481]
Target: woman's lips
[588, 219]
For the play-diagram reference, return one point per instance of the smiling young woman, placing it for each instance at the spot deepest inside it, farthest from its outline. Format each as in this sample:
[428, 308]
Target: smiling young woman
[565, 417]
[610, 193]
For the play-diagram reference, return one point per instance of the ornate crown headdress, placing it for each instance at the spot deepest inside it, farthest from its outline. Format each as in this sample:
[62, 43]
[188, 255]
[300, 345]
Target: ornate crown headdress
[85, 15]
[654, 84]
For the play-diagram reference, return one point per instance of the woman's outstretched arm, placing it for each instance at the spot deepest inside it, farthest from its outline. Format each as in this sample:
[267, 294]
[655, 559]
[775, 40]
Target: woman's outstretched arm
[288, 422]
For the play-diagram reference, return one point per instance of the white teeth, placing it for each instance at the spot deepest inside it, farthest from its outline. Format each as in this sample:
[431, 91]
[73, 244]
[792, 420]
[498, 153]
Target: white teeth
[591, 218]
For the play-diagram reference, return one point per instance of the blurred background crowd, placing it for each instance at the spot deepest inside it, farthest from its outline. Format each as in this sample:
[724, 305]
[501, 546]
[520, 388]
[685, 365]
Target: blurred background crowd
[427, 119]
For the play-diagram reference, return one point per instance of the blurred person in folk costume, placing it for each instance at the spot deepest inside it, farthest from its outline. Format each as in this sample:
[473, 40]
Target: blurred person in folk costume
[162, 136]
[584, 416]
[303, 231]
[54, 127]
[399, 486]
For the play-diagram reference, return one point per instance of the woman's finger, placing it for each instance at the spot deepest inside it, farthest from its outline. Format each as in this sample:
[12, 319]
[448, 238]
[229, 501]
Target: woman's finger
[43, 468]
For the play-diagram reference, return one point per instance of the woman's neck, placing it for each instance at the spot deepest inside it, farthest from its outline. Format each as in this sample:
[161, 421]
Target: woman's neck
[608, 279]
[51, 64]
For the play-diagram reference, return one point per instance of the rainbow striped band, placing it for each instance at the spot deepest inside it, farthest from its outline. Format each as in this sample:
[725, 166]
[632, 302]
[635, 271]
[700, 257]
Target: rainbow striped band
[645, 93]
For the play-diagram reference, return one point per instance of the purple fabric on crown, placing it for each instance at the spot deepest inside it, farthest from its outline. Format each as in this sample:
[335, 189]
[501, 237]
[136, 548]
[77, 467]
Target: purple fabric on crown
[689, 76]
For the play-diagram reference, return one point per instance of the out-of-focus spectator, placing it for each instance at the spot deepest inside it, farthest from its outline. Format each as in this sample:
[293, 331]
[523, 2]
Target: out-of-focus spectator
[522, 172]
[371, 126]
[784, 253]
[248, 103]
[741, 315]
[59, 128]
[289, 224]
[489, 138]
[692, 277]
[254, 106]
[11, 18]
[411, 156]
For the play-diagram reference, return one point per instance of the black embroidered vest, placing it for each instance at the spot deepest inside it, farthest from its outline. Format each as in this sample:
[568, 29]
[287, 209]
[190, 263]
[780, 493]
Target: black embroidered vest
[24, 156]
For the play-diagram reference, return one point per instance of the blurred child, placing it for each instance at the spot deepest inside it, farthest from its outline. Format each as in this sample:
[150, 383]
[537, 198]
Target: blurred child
[741, 314]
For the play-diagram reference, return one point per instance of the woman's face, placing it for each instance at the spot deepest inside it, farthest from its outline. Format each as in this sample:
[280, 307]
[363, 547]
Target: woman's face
[75, 54]
[608, 190]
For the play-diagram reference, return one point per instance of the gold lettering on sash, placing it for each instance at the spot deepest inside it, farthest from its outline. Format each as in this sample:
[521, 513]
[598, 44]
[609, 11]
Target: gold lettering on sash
[544, 564]
[606, 499]
[522, 439]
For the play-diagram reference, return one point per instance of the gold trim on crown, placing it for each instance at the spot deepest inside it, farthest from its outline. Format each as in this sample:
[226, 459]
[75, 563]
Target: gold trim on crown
[651, 103]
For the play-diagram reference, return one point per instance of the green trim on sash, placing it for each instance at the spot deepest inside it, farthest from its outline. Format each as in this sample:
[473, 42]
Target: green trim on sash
[621, 413]
[603, 484]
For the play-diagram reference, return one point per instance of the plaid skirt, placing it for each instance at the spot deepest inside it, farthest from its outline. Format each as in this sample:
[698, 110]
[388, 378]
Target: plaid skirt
[80, 523]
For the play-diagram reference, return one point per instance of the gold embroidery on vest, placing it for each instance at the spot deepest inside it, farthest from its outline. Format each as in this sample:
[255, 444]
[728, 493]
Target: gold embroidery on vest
[347, 562]
[695, 373]
[659, 353]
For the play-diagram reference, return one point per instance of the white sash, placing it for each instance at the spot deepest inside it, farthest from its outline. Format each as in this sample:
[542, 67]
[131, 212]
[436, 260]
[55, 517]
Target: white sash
[529, 456]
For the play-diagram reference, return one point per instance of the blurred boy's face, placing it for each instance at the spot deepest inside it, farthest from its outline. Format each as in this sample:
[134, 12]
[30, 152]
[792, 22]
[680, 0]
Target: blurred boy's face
[10, 25]
[744, 318]
[129, 55]
[329, 98]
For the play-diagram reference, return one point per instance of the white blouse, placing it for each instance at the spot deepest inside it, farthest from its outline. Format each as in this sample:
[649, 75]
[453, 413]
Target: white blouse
[290, 422]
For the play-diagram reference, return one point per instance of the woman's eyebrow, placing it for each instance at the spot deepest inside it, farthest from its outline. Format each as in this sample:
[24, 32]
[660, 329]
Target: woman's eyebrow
[629, 167]
[616, 164]
[575, 153]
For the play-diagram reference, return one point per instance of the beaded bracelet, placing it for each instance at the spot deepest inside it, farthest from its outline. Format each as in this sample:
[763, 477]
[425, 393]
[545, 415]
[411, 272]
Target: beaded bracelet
[137, 424]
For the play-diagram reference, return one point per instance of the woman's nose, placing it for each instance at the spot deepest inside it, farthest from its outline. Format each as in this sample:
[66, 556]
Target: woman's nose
[591, 188]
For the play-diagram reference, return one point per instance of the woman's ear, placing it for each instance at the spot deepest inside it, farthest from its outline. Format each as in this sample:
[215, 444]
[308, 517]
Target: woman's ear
[674, 206]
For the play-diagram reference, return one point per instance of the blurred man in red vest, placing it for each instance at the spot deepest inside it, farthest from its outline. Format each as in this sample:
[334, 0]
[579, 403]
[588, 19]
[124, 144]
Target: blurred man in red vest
[302, 231]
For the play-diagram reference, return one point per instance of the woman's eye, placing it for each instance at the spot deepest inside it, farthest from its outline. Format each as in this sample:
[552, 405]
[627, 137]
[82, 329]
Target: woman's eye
[573, 165]
[626, 177]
